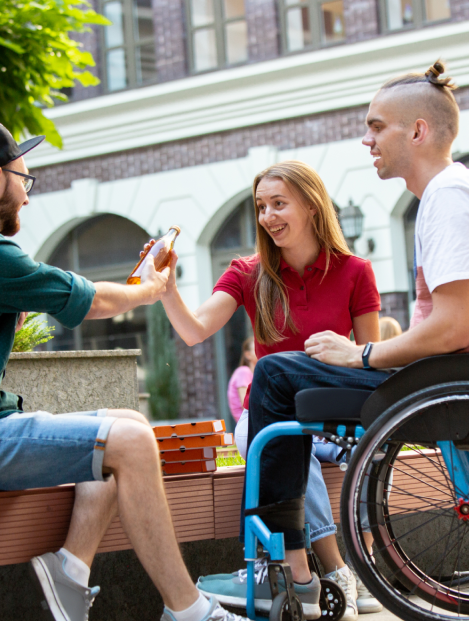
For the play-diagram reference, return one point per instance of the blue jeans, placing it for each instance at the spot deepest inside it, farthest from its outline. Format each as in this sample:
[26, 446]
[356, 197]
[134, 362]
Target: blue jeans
[285, 461]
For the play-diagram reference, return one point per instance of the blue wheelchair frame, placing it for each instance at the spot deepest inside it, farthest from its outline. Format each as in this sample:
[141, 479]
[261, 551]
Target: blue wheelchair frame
[255, 529]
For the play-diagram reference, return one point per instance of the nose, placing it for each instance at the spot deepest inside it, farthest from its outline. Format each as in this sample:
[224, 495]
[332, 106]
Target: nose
[368, 139]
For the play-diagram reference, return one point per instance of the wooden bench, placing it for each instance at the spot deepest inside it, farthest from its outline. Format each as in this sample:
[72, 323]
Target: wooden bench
[203, 506]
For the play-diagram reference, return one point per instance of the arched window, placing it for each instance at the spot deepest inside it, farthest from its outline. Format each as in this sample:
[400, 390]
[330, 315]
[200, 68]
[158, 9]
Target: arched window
[235, 238]
[102, 248]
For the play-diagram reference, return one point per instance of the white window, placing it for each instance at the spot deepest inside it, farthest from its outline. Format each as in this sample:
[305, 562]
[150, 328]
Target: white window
[311, 23]
[217, 33]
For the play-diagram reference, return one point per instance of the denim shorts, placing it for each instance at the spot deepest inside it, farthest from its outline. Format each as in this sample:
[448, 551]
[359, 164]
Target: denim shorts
[40, 449]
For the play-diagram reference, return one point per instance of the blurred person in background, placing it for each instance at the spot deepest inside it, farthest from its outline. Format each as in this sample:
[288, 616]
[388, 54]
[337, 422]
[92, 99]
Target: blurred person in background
[242, 378]
[389, 328]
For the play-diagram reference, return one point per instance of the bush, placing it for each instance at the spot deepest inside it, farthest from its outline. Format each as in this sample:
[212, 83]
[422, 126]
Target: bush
[33, 333]
[162, 373]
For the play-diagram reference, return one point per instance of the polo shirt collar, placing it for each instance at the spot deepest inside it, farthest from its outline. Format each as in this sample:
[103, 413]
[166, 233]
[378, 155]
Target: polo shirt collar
[319, 264]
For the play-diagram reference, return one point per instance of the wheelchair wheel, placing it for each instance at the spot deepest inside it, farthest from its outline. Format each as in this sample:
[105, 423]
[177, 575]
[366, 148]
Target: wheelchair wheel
[332, 600]
[280, 610]
[399, 482]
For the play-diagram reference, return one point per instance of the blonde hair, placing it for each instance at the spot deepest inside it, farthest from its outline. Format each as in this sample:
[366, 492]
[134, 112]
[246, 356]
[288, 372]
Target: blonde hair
[389, 328]
[246, 346]
[270, 292]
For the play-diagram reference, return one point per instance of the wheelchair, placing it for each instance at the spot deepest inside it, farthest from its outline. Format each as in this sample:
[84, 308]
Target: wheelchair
[407, 481]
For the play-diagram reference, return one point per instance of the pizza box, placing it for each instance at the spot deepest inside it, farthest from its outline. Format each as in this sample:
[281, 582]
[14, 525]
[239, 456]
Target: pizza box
[183, 430]
[214, 439]
[196, 454]
[189, 467]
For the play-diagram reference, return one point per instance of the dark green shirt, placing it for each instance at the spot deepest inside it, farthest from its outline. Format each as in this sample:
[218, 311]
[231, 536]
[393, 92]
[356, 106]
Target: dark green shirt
[35, 287]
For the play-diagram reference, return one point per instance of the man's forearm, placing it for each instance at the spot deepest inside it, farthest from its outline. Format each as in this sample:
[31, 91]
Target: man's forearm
[112, 299]
[429, 338]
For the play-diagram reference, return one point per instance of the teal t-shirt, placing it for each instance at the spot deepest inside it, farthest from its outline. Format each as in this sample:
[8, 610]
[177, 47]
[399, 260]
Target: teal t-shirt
[26, 285]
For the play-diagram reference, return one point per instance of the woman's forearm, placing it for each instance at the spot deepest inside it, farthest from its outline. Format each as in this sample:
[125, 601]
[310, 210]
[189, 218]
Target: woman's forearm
[196, 326]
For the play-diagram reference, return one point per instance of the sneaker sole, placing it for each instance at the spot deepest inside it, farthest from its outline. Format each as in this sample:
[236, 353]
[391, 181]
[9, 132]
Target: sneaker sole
[364, 609]
[42, 579]
[310, 611]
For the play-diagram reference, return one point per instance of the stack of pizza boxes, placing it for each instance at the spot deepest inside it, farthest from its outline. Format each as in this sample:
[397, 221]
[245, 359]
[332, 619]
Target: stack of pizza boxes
[191, 447]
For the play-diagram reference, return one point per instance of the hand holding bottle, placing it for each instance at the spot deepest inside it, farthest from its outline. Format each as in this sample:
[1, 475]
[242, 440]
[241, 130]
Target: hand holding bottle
[156, 282]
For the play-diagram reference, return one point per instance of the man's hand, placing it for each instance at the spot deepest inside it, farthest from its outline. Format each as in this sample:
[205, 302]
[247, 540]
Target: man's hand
[156, 282]
[334, 349]
[21, 321]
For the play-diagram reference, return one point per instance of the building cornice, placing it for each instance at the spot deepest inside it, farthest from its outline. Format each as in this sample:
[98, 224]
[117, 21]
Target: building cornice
[291, 86]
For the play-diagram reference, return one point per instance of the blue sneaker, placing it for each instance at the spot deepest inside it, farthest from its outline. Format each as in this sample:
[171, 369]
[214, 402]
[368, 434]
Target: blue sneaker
[258, 566]
[233, 591]
[216, 613]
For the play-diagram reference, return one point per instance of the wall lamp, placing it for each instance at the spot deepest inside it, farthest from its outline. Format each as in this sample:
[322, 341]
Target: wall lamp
[351, 220]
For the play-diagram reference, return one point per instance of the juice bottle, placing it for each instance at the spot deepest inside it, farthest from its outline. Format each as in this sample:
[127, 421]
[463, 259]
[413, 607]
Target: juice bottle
[161, 252]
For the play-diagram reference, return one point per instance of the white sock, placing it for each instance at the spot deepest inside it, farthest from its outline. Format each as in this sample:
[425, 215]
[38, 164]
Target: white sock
[75, 568]
[196, 612]
[343, 570]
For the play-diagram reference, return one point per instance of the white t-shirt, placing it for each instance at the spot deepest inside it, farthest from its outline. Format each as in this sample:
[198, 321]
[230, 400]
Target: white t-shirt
[441, 236]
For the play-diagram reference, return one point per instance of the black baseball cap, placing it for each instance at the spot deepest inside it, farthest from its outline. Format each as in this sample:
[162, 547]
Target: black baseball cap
[10, 150]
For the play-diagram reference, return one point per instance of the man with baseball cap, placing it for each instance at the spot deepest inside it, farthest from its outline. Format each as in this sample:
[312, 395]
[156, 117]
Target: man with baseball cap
[111, 455]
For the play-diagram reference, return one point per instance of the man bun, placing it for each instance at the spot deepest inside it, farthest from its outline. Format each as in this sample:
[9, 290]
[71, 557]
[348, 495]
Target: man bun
[433, 76]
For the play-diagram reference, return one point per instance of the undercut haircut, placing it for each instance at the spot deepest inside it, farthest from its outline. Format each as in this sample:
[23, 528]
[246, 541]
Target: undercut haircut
[435, 102]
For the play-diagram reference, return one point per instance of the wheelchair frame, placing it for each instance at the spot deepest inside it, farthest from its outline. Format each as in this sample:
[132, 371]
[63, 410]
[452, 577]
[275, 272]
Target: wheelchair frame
[256, 530]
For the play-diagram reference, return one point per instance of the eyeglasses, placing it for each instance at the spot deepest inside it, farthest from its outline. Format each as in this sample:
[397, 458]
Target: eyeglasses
[28, 180]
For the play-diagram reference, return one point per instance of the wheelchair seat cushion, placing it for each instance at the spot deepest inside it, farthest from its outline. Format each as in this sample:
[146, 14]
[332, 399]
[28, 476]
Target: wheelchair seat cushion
[325, 404]
[422, 374]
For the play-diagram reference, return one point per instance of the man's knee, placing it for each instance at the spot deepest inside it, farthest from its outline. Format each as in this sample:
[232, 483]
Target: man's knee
[131, 414]
[130, 438]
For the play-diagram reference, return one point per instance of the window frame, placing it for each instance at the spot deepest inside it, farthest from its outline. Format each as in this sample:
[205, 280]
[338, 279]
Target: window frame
[131, 43]
[316, 26]
[420, 20]
[219, 26]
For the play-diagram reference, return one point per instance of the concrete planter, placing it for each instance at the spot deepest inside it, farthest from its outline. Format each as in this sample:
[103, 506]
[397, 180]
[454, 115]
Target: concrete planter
[74, 381]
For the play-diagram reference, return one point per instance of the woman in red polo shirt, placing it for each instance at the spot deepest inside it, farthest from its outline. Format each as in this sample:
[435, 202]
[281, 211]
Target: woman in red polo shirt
[303, 280]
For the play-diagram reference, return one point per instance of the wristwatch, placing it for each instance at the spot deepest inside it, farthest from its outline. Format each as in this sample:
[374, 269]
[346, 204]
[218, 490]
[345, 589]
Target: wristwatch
[366, 355]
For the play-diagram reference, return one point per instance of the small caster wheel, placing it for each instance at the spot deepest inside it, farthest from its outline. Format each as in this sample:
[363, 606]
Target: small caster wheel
[280, 610]
[332, 600]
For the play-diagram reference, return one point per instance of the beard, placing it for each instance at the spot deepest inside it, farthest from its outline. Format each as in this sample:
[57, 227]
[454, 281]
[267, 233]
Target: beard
[9, 214]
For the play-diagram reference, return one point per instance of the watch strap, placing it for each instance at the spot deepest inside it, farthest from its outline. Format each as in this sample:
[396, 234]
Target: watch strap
[366, 355]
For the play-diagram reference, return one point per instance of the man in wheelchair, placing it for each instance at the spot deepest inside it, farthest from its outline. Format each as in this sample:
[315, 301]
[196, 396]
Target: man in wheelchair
[412, 122]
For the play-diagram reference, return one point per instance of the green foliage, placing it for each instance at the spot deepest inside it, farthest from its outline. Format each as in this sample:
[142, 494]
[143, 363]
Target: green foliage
[235, 460]
[33, 333]
[38, 59]
[162, 374]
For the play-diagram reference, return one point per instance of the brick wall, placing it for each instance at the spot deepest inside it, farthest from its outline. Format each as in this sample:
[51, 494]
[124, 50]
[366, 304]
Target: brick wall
[459, 9]
[90, 42]
[361, 20]
[396, 305]
[169, 20]
[263, 33]
[197, 379]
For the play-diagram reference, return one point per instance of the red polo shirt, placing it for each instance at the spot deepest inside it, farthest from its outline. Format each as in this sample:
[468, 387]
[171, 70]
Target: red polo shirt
[348, 290]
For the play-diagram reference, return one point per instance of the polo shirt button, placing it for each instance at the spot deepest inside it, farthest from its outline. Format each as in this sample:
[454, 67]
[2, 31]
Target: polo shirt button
[310, 269]
[301, 288]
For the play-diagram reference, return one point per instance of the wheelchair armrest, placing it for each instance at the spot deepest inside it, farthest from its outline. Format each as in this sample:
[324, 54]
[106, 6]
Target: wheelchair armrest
[324, 404]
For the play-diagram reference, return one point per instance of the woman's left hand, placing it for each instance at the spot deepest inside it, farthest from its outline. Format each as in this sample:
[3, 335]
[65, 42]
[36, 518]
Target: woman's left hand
[331, 348]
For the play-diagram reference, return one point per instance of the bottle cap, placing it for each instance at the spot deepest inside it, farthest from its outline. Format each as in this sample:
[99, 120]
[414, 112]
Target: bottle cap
[175, 227]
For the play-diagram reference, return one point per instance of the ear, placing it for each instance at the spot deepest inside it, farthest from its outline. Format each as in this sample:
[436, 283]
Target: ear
[420, 132]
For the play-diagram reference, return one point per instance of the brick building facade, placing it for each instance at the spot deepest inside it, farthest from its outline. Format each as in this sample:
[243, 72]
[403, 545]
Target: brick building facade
[299, 131]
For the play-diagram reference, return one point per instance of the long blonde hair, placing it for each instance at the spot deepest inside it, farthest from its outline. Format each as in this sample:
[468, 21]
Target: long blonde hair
[270, 291]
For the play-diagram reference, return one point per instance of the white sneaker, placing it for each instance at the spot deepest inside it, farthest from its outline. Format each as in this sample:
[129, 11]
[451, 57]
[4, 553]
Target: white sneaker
[345, 579]
[366, 603]
[216, 613]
